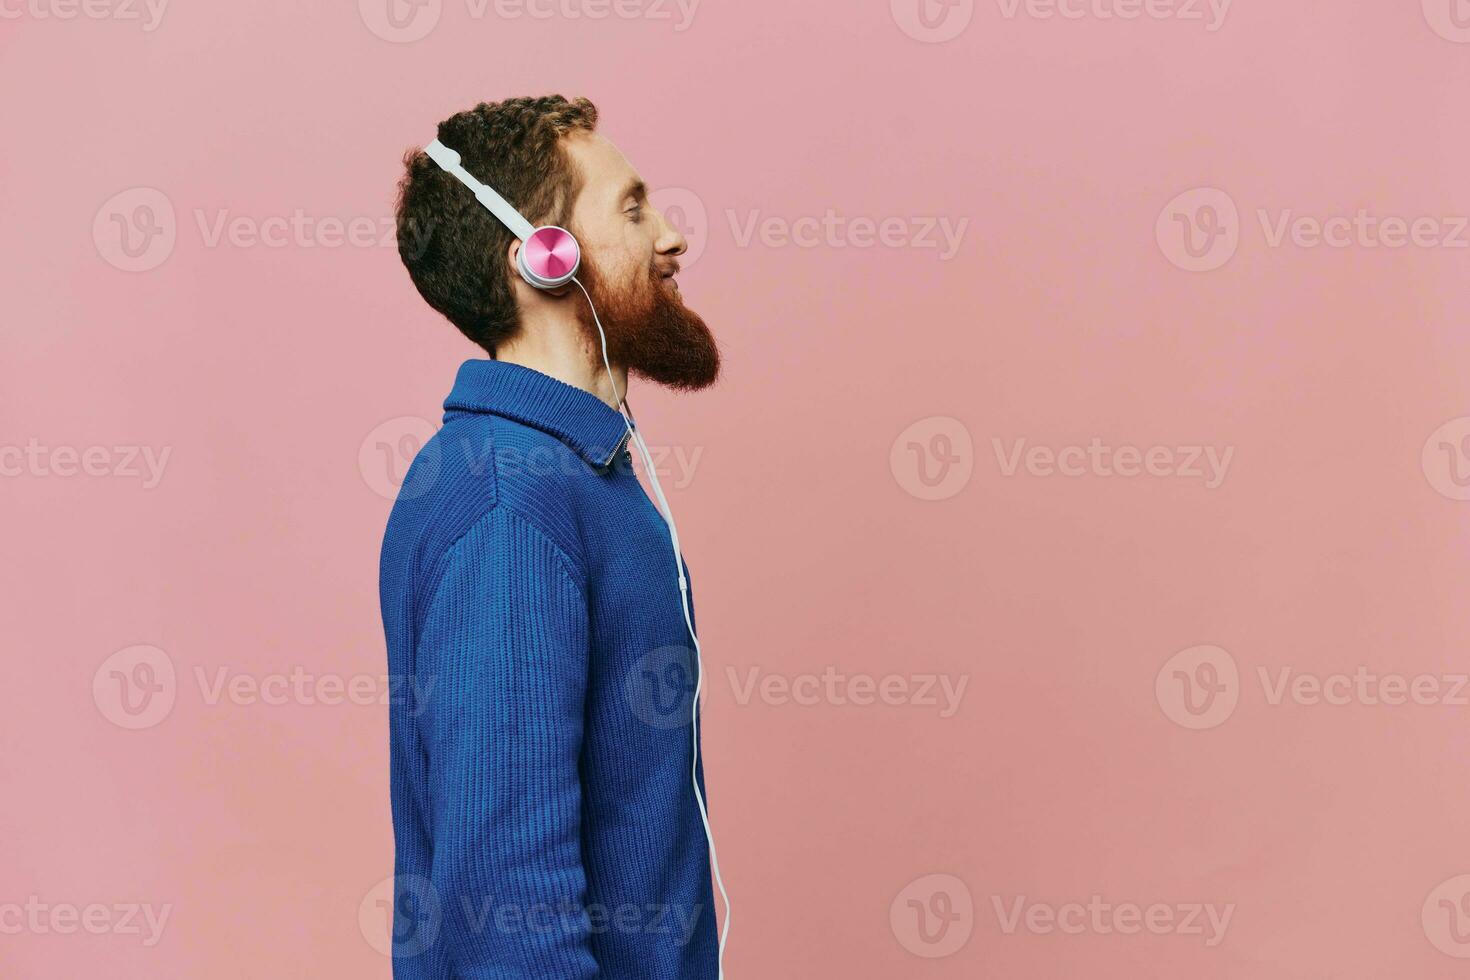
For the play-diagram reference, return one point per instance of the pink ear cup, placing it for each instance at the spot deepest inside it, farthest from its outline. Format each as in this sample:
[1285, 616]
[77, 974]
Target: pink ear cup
[551, 255]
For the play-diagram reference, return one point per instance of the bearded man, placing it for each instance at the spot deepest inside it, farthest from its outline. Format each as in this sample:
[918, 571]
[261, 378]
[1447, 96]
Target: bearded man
[545, 820]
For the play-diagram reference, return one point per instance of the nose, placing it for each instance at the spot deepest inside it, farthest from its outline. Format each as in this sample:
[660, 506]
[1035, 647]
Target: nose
[670, 240]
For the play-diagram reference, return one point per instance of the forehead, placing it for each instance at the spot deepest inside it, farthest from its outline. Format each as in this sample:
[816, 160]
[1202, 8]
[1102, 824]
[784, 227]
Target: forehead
[605, 171]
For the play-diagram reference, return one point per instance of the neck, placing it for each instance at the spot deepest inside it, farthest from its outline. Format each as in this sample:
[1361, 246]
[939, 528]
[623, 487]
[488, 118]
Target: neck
[560, 348]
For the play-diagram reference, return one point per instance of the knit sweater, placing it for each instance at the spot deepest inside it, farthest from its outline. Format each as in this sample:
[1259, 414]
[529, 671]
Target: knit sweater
[544, 821]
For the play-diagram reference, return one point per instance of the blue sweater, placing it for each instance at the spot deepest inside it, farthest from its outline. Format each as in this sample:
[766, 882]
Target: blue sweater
[544, 822]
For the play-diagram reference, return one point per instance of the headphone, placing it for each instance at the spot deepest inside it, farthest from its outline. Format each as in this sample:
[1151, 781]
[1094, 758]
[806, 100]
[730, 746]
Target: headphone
[550, 257]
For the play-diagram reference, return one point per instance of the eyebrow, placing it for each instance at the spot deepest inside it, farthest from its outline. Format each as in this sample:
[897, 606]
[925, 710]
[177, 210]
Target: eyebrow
[634, 188]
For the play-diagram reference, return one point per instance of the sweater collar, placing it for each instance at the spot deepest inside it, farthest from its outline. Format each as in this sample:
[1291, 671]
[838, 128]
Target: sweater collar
[578, 418]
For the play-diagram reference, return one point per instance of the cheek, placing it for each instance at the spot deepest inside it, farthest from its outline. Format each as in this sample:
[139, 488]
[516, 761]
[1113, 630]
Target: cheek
[635, 245]
[624, 256]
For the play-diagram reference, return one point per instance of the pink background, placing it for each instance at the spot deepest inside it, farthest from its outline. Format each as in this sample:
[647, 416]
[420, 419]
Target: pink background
[1336, 539]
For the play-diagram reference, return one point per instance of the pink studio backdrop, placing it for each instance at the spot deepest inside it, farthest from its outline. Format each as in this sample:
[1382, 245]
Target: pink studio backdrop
[1080, 534]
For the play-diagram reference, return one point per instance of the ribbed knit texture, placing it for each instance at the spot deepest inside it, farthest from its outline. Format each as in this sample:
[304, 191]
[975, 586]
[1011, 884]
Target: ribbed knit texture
[543, 817]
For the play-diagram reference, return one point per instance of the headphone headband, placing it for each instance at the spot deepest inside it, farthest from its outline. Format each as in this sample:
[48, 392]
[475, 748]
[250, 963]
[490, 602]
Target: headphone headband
[485, 194]
[548, 257]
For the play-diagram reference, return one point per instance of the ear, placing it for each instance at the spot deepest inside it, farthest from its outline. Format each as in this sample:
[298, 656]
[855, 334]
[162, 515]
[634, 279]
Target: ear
[525, 292]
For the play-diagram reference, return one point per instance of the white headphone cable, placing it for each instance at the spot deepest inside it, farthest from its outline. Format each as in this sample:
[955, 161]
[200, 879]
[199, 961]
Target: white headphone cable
[668, 515]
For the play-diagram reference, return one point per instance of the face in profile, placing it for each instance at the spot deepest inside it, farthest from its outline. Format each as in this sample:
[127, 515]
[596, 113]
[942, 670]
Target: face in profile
[629, 263]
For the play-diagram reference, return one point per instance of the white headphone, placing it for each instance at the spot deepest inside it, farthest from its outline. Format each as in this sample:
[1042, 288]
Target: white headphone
[549, 257]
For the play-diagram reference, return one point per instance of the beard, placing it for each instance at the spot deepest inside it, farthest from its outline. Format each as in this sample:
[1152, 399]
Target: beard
[649, 329]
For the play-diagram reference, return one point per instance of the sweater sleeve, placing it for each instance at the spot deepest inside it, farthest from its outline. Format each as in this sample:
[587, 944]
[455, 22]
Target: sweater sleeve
[505, 646]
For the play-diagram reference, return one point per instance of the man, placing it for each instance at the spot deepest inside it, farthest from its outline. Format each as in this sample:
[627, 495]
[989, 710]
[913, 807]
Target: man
[545, 820]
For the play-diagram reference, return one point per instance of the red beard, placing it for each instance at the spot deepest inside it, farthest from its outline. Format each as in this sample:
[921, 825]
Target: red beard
[650, 331]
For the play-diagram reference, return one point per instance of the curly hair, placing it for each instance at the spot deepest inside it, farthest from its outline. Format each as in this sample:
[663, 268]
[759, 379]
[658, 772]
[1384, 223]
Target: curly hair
[454, 249]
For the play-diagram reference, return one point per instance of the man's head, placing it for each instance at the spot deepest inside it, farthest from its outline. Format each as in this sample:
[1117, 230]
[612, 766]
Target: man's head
[544, 157]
